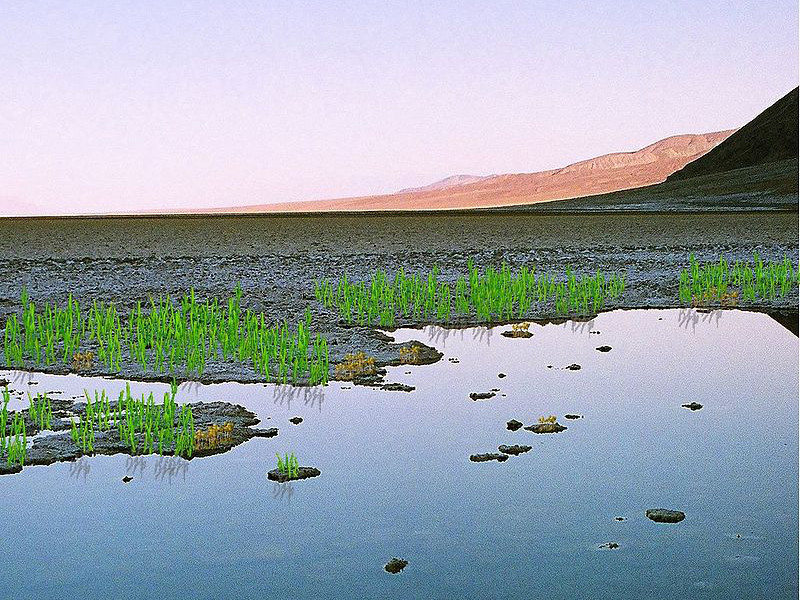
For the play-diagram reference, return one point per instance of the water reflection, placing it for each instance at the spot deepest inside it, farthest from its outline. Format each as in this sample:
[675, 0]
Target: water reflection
[311, 396]
[580, 326]
[438, 335]
[135, 463]
[691, 316]
[282, 491]
[80, 469]
[168, 467]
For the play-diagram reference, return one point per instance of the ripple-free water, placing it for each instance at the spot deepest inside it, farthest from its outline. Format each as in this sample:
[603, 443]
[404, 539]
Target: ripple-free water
[396, 479]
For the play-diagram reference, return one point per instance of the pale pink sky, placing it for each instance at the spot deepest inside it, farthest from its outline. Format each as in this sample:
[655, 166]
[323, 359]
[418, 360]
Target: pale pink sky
[111, 106]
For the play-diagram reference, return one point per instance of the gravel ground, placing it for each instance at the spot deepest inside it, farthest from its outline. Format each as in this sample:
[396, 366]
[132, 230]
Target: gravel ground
[277, 259]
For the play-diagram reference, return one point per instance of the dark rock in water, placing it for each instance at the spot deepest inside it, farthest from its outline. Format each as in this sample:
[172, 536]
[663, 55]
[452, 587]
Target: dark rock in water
[549, 366]
[453, 360]
[619, 518]
[603, 348]
[572, 417]
[501, 375]
[514, 450]
[127, 479]
[265, 433]
[546, 428]
[513, 425]
[495, 390]
[488, 456]
[573, 367]
[395, 565]
[397, 387]
[693, 406]
[481, 395]
[302, 473]
[517, 334]
[610, 545]
[296, 420]
[663, 515]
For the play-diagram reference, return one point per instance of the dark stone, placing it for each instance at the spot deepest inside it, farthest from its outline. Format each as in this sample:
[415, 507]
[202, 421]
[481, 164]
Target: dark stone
[296, 420]
[664, 515]
[302, 473]
[395, 565]
[513, 425]
[546, 428]
[501, 375]
[573, 367]
[693, 406]
[265, 433]
[488, 456]
[572, 417]
[127, 479]
[397, 387]
[619, 518]
[610, 545]
[481, 395]
[603, 348]
[514, 450]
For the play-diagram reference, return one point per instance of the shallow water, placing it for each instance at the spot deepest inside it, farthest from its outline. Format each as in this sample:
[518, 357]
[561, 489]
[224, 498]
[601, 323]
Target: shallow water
[396, 479]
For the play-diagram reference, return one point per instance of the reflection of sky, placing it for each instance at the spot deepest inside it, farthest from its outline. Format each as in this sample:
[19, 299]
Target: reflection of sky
[396, 479]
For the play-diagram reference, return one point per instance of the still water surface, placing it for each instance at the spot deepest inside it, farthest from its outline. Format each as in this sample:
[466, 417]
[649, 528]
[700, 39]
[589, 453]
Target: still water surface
[396, 479]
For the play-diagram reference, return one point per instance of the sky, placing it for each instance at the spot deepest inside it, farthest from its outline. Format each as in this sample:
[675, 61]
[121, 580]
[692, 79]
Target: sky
[157, 105]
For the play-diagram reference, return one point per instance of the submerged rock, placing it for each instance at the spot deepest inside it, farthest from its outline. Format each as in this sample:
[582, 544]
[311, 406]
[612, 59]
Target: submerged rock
[397, 387]
[513, 425]
[514, 450]
[296, 420]
[573, 367]
[664, 515]
[488, 456]
[693, 406]
[603, 348]
[573, 417]
[546, 428]
[395, 565]
[481, 395]
[302, 473]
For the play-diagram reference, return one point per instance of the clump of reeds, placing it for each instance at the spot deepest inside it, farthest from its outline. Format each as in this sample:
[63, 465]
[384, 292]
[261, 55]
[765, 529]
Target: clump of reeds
[355, 365]
[40, 410]
[490, 295]
[288, 466]
[726, 283]
[13, 434]
[550, 419]
[163, 335]
[146, 427]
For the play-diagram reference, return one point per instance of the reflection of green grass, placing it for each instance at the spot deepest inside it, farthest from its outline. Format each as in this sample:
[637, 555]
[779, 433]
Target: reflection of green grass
[163, 335]
[725, 282]
[491, 294]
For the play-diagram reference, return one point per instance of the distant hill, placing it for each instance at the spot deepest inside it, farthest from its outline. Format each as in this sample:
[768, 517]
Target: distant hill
[603, 174]
[447, 182]
[770, 137]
